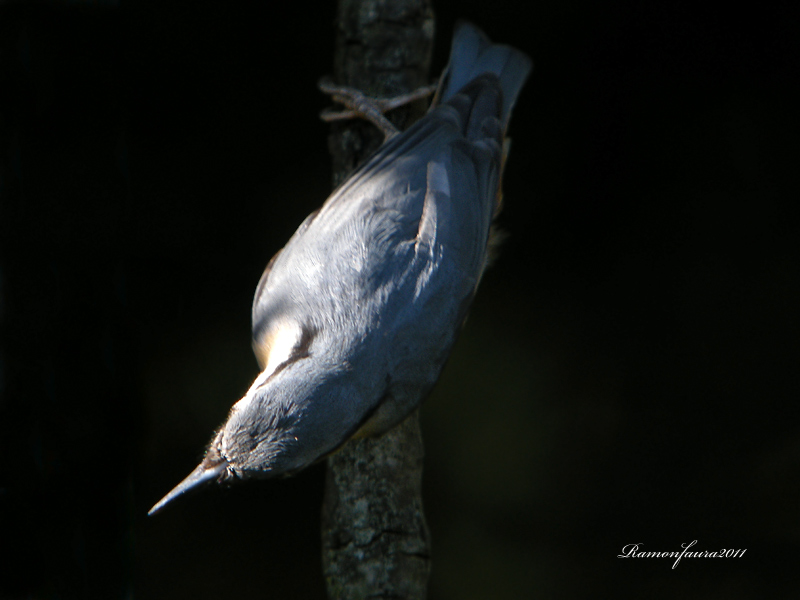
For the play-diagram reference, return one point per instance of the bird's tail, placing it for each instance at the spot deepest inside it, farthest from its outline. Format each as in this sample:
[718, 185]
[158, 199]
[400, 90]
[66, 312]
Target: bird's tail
[472, 55]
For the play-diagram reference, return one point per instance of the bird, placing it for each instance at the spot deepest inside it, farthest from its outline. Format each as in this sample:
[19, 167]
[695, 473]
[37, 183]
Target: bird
[354, 318]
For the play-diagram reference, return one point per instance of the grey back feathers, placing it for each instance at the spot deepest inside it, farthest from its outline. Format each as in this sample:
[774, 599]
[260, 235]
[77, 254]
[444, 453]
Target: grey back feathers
[383, 272]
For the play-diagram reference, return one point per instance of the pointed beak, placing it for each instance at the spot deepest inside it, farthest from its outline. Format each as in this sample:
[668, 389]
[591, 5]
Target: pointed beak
[206, 472]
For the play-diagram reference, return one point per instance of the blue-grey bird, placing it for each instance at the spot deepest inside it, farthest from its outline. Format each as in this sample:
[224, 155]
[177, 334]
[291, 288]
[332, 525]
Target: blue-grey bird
[353, 320]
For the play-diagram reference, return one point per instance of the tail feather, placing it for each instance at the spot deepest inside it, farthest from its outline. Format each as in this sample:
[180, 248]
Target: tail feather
[472, 55]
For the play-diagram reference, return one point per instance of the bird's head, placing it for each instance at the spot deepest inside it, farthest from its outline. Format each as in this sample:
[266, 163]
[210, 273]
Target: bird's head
[291, 416]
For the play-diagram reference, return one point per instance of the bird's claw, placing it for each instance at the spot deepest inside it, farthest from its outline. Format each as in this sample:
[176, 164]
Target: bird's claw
[357, 104]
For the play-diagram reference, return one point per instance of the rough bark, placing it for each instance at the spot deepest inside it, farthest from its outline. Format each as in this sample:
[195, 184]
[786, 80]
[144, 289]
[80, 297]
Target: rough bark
[375, 541]
[382, 49]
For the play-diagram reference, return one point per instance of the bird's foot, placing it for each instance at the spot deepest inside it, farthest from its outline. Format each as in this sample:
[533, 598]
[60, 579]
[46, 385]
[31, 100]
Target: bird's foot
[358, 104]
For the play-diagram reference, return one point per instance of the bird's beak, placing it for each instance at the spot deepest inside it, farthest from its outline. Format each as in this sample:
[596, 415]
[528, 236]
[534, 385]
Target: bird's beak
[206, 472]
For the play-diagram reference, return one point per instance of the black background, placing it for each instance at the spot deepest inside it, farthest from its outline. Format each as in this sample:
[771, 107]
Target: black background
[628, 372]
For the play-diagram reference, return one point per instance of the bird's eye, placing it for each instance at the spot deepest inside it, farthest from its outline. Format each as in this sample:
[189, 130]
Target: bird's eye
[284, 342]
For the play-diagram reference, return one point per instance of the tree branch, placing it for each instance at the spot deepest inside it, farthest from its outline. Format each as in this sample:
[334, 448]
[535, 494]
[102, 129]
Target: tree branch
[375, 541]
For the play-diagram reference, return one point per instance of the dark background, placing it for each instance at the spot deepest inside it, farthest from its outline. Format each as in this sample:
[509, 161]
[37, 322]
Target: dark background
[629, 369]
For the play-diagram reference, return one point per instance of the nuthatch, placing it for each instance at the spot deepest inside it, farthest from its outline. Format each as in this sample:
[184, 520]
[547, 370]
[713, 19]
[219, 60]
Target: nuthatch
[353, 320]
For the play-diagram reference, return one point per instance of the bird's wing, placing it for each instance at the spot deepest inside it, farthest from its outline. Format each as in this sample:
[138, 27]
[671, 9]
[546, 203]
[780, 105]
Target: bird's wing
[428, 188]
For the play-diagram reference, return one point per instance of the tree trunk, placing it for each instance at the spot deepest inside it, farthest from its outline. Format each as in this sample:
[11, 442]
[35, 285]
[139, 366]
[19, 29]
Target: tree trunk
[375, 542]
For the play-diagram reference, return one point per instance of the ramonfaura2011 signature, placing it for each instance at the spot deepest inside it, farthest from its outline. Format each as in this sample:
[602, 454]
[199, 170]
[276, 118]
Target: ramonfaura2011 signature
[633, 551]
